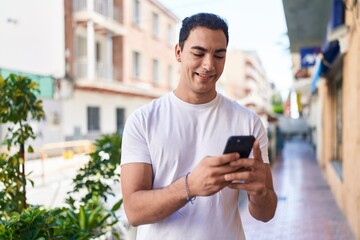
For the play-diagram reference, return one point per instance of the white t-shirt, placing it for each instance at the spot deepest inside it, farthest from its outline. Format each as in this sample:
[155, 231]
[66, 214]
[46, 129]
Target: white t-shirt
[174, 136]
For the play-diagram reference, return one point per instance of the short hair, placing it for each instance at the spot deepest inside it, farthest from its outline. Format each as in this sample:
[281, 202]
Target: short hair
[208, 20]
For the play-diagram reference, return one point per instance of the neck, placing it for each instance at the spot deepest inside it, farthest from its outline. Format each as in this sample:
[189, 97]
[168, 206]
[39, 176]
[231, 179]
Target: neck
[195, 98]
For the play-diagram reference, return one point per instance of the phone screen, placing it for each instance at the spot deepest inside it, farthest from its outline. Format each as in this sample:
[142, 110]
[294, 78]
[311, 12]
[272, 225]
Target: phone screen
[241, 144]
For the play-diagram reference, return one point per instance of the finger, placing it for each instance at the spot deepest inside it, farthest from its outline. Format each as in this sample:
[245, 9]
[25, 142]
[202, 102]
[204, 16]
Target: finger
[236, 176]
[257, 151]
[225, 159]
[240, 184]
[243, 163]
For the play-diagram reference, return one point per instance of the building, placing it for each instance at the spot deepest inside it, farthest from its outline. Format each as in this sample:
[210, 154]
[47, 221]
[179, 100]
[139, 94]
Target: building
[115, 55]
[244, 79]
[122, 56]
[333, 97]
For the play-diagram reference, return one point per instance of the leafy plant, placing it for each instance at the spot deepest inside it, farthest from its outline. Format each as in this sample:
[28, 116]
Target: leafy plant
[89, 221]
[18, 105]
[87, 217]
[31, 223]
[92, 186]
[277, 103]
[94, 177]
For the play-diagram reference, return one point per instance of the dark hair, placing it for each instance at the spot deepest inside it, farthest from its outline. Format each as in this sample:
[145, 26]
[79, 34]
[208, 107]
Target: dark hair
[208, 20]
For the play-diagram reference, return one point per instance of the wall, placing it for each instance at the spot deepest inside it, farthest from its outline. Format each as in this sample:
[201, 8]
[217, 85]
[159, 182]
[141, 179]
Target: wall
[351, 101]
[141, 39]
[76, 107]
[34, 41]
[347, 190]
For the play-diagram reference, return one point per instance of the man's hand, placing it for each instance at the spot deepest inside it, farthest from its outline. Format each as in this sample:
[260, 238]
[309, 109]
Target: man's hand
[254, 176]
[251, 173]
[207, 177]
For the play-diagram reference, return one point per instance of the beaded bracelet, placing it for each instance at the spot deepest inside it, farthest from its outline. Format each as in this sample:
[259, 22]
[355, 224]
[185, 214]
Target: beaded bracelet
[188, 198]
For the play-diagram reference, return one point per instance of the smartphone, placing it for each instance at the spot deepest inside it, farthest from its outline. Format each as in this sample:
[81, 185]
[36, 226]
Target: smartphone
[241, 144]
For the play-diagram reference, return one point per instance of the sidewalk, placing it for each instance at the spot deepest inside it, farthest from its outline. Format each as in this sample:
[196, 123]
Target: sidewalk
[52, 179]
[306, 207]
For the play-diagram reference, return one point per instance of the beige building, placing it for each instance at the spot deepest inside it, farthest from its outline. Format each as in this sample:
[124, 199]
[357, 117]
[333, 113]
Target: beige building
[339, 94]
[333, 100]
[97, 62]
[244, 79]
[119, 56]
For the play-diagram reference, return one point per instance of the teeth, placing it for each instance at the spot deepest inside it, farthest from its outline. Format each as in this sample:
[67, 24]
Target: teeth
[203, 76]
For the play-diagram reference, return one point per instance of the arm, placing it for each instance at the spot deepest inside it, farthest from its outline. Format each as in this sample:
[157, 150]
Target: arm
[258, 184]
[263, 202]
[145, 205]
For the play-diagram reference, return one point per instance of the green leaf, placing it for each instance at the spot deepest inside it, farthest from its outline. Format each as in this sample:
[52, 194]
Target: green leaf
[31, 182]
[83, 221]
[117, 205]
[93, 216]
[71, 215]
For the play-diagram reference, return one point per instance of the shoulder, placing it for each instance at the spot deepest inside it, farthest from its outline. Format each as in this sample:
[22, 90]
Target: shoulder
[235, 107]
[147, 110]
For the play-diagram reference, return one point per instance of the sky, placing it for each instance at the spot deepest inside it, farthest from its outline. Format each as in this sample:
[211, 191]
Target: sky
[254, 25]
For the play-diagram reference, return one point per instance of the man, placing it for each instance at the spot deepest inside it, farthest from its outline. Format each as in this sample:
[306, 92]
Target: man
[176, 183]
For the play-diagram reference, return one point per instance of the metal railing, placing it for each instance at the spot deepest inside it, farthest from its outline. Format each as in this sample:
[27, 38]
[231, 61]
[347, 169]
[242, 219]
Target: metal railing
[103, 7]
[81, 67]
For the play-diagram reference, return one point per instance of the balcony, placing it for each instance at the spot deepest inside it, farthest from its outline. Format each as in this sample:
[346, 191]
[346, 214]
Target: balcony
[105, 16]
[101, 70]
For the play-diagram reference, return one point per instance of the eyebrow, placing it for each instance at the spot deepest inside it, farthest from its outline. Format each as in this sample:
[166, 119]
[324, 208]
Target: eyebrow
[205, 50]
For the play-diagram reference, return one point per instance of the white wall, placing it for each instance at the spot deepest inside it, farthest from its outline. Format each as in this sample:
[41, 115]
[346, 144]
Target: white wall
[75, 110]
[32, 36]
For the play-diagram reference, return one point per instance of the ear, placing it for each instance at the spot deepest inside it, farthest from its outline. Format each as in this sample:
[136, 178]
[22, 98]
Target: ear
[178, 52]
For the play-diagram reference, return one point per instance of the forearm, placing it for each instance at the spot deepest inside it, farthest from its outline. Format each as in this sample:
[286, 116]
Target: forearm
[150, 206]
[263, 207]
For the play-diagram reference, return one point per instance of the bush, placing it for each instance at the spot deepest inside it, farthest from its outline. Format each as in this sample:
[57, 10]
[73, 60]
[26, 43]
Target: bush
[86, 216]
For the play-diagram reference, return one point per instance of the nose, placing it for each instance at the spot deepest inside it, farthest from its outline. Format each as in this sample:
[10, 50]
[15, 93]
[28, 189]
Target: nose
[208, 63]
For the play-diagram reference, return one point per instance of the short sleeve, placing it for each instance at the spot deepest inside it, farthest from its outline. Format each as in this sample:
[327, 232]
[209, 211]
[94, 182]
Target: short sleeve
[261, 135]
[134, 146]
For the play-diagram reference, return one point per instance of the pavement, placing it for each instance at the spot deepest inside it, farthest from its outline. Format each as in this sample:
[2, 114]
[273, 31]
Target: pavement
[306, 207]
[52, 179]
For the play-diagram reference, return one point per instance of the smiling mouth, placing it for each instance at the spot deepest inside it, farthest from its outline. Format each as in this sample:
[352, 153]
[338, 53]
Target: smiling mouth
[204, 76]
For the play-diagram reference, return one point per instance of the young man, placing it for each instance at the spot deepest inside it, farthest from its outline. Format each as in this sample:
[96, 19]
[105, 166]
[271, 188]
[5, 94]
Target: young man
[176, 183]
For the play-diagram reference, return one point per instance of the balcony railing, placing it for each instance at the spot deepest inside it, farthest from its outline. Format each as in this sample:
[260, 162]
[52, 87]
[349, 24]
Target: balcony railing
[81, 67]
[104, 7]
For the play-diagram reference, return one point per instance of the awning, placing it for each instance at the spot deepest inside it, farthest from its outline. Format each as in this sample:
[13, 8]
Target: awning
[317, 73]
[330, 52]
[330, 48]
[324, 62]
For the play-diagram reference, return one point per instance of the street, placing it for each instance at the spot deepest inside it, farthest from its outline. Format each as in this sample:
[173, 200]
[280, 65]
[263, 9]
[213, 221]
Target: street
[306, 207]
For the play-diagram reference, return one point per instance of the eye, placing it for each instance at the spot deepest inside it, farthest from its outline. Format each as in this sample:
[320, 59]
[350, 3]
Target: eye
[219, 57]
[198, 54]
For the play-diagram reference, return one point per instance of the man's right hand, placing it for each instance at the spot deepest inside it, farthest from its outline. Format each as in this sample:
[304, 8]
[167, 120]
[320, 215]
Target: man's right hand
[207, 178]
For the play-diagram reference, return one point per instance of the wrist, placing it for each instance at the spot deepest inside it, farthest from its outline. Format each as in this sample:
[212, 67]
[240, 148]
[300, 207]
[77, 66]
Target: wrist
[189, 197]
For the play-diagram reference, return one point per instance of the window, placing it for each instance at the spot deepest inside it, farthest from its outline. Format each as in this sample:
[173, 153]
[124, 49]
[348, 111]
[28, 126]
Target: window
[98, 52]
[93, 118]
[81, 47]
[156, 23]
[136, 71]
[156, 71]
[136, 12]
[338, 126]
[170, 76]
[170, 35]
[81, 56]
[120, 119]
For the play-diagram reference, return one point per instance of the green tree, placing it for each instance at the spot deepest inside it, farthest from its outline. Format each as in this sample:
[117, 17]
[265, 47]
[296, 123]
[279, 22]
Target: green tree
[18, 106]
[87, 217]
[277, 103]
